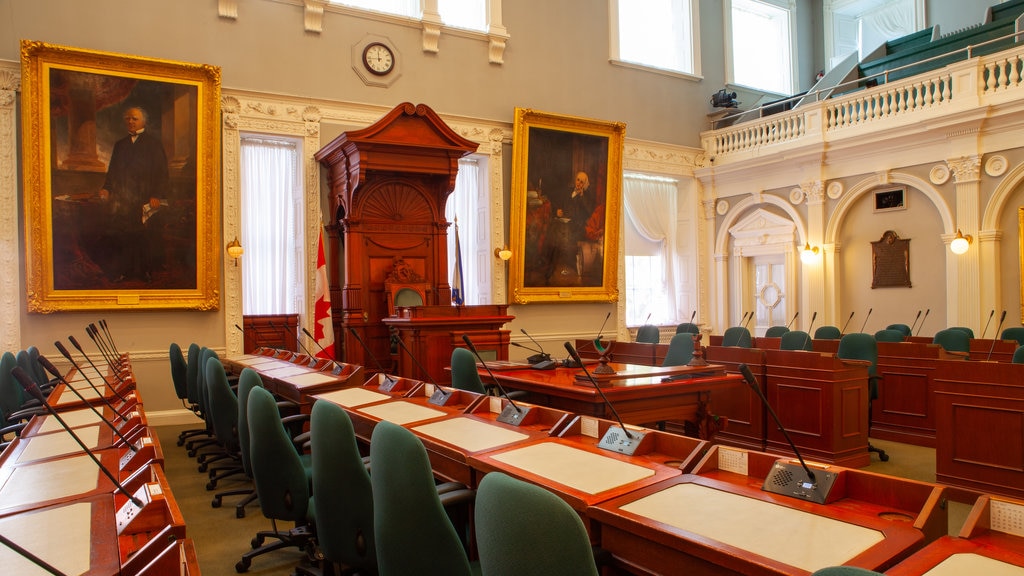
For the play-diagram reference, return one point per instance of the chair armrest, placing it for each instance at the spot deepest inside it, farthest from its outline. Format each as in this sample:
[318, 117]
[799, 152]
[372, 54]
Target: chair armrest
[456, 497]
[26, 413]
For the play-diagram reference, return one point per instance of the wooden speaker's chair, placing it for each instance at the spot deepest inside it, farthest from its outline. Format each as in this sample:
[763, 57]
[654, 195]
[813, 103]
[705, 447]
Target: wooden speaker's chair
[860, 346]
[404, 287]
[525, 529]
[775, 331]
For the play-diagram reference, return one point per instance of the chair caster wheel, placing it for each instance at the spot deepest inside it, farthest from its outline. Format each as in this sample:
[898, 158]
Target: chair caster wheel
[240, 513]
[256, 542]
[883, 457]
[242, 566]
[211, 485]
[202, 467]
[215, 503]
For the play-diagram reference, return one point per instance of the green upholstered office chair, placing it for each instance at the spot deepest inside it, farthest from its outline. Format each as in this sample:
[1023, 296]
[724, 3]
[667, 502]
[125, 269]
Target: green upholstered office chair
[890, 335]
[12, 400]
[796, 340]
[223, 405]
[648, 334]
[964, 329]
[845, 571]
[247, 380]
[953, 340]
[282, 481]
[343, 502]
[737, 336]
[688, 327]
[39, 373]
[775, 331]
[464, 372]
[901, 327]
[680, 350]
[212, 449]
[827, 333]
[525, 529]
[1018, 355]
[413, 532]
[192, 394]
[860, 346]
[179, 372]
[1014, 333]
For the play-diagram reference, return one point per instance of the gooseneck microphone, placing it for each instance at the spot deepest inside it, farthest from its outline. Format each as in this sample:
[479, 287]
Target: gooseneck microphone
[103, 324]
[808, 333]
[32, 390]
[595, 344]
[995, 337]
[49, 367]
[922, 321]
[987, 322]
[542, 360]
[512, 413]
[327, 354]
[843, 331]
[918, 317]
[440, 396]
[749, 318]
[783, 480]
[611, 439]
[78, 346]
[64, 351]
[380, 367]
[866, 319]
[793, 320]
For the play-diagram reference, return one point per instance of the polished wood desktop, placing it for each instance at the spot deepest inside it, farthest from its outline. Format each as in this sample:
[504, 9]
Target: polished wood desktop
[297, 381]
[638, 393]
[718, 520]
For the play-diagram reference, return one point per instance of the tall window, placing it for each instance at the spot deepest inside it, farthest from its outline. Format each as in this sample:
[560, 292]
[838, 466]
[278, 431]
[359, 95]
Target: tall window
[649, 204]
[272, 225]
[470, 204]
[761, 46]
[863, 25]
[467, 14]
[655, 33]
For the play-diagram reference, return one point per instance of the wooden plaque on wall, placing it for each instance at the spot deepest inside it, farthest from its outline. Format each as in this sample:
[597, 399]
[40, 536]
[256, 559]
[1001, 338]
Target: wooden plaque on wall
[890, 261]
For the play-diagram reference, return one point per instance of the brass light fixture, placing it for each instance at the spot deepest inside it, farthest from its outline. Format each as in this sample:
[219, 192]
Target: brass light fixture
[235, 250]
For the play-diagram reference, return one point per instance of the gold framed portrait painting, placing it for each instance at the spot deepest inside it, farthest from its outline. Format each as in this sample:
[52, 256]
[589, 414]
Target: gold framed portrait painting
[121, 181]
[566, 200]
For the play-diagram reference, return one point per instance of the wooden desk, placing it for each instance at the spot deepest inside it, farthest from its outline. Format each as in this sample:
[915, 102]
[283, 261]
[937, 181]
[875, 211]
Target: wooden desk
[297, 382]
[823, 403]
[739, 405]
[637, 393]
[718, 520]
[990, 542]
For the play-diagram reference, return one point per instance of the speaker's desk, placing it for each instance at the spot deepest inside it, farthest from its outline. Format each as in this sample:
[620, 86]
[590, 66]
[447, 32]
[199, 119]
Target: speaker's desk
[990, 542]
[718, 520]
[638, 393]
[297, 381]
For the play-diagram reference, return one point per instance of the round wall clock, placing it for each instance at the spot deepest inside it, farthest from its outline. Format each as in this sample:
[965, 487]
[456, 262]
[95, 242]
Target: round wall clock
[378, 58]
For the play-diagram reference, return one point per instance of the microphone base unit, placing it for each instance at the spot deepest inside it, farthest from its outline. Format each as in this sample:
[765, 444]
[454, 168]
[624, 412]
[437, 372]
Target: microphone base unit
[387, 384]
[790, 479]
[512, 415]
[440, 396]
[616, 440]
[538, 358]
[544, 365]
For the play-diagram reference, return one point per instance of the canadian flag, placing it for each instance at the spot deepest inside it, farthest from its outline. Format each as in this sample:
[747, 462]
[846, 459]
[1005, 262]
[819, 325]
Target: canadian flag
[323, 327]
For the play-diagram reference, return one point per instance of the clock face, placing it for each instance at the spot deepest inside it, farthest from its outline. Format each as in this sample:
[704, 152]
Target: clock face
[378, 58]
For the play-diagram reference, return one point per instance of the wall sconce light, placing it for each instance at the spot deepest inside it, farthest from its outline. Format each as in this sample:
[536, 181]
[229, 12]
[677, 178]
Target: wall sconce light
[503, 253]
[235, 250]
[808, 254]
[961, 243]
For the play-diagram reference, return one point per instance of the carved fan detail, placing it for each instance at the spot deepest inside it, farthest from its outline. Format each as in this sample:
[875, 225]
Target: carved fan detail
[398, 202]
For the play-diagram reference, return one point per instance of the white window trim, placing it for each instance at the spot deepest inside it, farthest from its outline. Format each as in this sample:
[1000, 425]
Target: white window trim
[828, 13]
[730, 78]
[613, 43]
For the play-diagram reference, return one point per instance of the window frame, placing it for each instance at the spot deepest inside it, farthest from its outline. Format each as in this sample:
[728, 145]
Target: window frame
[730, 74]
[613, 44]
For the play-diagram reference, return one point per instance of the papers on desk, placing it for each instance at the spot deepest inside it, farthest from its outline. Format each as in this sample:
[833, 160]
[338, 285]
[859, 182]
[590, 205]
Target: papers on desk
[57, 444]
[310, 379]
[59, 535]
[352, 397]
[959, 564]
[469, 434]
[402, 413]
[45, 481]
[74, 419]
[578, 469]
[794, 537]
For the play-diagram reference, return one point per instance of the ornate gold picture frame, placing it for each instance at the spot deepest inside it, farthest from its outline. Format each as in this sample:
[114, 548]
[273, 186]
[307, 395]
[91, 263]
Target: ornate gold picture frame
[565, 204]
[121, 181]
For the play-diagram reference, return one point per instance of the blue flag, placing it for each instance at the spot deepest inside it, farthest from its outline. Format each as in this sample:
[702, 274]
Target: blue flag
[458, 293]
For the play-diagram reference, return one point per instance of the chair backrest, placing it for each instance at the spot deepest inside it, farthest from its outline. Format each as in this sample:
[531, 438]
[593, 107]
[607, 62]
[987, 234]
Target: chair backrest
[688, 327]
[1014, 333]
[859, 346]
[39, 373]
[964, 329]
[464, 374]
[281, 481]
[680, 350]
[524, 529]
[775, 331]
[179, 371]
[25, 361]
[12, 396]
[343, 506]
[648, 334]
[890, 335]
[901, 327]
[953, 340]
[192, 375]
[827, 333]
[1018, 355]
[223, 405]
[736, 336]
[796, 340]
[248, 379]
[410, 524]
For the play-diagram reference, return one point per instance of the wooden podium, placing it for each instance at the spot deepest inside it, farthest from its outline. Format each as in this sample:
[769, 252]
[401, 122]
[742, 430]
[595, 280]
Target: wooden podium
[430, 333]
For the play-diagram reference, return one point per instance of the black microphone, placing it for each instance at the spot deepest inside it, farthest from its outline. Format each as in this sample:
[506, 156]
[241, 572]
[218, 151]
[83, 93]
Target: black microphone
[923, 319]
[843, 331]
[93, 334]
[511, 414]
[318, 345]
[987, 322]
[30, 556]
[808, 333]
[440, 396]
[866, 319]
[749, 318]
[692, 316]
[239, 328]
[282, 331]
[78, 346]
[611, 439]
[1001, 318]
[541, 360]
[817, 489]
[103, 324]
[88, 380]
[46, 364]
[380, 367]
[33, 390]
[793, 320]
[918, 317]
[337, 365]
[595, 343]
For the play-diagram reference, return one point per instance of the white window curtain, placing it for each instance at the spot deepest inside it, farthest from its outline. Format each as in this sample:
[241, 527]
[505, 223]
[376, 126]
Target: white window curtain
[649, 204]
[272, 226]
[469, 203]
